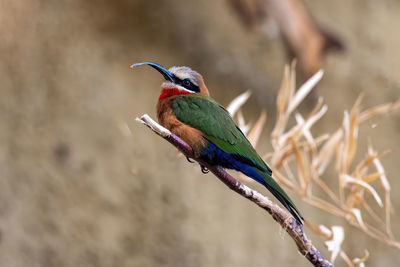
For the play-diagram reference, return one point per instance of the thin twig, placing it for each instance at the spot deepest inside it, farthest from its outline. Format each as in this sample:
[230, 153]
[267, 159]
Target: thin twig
[286, 221]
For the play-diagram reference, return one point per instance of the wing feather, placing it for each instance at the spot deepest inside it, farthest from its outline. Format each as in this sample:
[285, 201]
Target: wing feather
[206, 115]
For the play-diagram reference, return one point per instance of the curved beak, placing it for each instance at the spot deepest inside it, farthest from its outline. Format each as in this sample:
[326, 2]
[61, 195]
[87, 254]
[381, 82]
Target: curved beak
[165, 72]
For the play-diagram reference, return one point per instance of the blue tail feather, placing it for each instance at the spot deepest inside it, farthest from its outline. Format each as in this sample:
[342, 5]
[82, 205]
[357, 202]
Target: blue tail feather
[215, 156]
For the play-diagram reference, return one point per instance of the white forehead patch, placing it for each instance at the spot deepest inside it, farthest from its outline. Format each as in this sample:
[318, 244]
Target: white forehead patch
[184, 73]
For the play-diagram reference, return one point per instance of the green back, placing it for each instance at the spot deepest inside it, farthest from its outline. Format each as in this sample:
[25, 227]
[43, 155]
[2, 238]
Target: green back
[206, 115]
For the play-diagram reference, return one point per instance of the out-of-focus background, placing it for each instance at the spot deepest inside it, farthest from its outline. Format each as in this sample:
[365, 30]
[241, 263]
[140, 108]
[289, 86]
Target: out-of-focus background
[83, 184]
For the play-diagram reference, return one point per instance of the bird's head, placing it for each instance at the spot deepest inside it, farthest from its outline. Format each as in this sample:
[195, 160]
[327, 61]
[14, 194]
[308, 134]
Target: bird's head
[178, 80]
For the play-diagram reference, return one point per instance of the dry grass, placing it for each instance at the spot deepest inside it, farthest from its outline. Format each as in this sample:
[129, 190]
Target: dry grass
[299, 162]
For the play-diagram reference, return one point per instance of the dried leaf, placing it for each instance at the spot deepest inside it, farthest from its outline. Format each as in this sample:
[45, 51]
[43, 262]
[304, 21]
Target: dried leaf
[255, 132]
[294, 133]
[388, 205]
[371, 177]
[335, 243]
[364, 164]
[326, 231]
[304, 90]
[347, 179]
[361, 262]
[380, 169]
[292, 84]
[238, 102]
[301, 172]
[284, 93]
[378, 110]
[241, 123]
[327, 151]
[386, 187]
[357, 215]
[313, 118]
[320, 230]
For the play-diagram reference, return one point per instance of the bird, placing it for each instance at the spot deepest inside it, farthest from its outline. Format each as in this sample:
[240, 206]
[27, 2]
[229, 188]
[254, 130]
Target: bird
[187, 110]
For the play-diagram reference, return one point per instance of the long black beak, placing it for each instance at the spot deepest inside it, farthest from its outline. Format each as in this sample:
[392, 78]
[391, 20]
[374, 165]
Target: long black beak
[165, 72]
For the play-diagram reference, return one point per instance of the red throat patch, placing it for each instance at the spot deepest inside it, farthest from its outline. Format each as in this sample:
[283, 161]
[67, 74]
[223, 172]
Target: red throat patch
[166, 92]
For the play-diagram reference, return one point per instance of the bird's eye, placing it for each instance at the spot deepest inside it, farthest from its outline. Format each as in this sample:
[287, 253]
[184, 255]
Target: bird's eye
[186, 82]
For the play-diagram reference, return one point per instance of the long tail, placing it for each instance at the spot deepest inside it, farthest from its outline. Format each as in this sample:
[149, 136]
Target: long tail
[265, 179]
[281, 195]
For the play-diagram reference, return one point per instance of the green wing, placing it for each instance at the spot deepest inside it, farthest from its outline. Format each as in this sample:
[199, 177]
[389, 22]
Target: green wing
[206, 115]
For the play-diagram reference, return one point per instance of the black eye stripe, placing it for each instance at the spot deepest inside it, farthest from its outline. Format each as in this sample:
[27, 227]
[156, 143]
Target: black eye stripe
[187, 84]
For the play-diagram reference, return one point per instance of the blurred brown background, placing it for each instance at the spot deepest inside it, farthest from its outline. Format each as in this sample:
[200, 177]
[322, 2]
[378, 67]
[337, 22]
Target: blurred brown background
[82, 184]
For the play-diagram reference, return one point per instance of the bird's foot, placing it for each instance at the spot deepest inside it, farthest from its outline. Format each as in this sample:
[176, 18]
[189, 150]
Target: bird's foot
[204, 169]
[188, 159]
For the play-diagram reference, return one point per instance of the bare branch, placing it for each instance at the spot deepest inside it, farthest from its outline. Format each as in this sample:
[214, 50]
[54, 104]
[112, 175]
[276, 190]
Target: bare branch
[286, 221]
